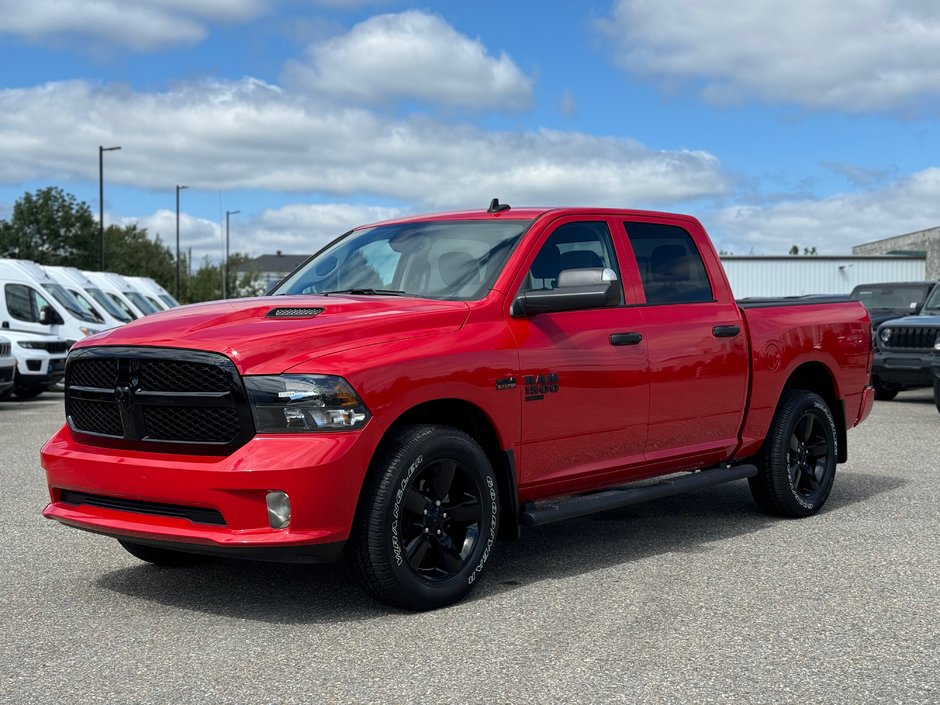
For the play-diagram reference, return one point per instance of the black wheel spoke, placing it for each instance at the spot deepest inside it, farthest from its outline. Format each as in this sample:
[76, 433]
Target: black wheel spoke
[819, 448]
[415, 501]
[795, 475]
[467, 512]
[416, 550]
[808, 430]
[450, 559]
[443, 478]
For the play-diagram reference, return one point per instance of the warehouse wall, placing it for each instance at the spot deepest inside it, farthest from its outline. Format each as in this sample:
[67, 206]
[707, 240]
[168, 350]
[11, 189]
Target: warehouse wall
[798, 275]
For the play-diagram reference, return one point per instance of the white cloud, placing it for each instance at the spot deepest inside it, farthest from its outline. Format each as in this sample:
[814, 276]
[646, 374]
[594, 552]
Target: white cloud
[412, 55]
[142, 25]
[854, 56]
[248, 134]
[832, 225]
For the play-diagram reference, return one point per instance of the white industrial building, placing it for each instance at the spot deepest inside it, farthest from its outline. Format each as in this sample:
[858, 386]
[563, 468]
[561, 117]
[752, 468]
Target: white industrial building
[796, 275]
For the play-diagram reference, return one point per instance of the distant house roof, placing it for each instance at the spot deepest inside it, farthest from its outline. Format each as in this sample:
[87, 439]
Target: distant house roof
[278, 263]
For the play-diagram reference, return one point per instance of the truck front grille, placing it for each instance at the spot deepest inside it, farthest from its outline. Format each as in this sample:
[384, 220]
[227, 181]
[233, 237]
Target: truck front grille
[5, 349]
[912, 338]
[176, 401]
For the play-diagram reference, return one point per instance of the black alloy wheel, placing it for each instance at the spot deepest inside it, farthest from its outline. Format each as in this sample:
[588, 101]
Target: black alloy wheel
[797, 465]
[442, 519]
[809, 455]
[427, 519]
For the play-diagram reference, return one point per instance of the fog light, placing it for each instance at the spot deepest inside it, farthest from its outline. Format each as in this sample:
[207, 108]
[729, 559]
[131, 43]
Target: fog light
[278, 509]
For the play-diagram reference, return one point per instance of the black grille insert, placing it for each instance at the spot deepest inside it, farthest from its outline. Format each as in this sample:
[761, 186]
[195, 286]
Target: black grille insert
[162, 399]
[197, 515]
[913, 338]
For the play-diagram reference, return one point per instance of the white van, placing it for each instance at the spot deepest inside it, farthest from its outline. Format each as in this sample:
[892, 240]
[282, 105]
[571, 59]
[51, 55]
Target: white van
[33, 302]
[39, 363]
[89, 295]
[116, 285]
[7, 367]
[150, 287]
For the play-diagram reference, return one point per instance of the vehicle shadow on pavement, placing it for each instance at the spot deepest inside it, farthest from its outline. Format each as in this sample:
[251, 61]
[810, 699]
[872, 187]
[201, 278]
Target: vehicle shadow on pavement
[686, 523]
[291, 593]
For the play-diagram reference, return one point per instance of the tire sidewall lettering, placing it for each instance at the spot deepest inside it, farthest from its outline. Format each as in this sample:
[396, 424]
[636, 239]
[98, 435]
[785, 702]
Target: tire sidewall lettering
[397, 507]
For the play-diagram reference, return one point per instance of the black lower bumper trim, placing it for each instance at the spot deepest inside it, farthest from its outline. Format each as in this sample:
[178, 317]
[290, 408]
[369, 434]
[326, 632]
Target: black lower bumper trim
[308, 553]
[197, 515]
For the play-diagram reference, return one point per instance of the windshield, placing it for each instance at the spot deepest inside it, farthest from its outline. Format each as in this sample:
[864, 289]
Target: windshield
[108, 305]
[86, 305]
[169, 300]
[446, 259]
[121, 304]
[896, 297]
[70, 303]
[933, 303]
[140, 302]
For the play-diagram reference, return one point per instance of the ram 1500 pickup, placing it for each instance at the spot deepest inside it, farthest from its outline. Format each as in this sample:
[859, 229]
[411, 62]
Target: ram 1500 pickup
[423, 387]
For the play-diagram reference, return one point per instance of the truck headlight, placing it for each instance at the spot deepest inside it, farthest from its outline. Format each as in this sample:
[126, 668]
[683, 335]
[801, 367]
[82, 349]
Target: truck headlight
[885, 335]
[304, 404]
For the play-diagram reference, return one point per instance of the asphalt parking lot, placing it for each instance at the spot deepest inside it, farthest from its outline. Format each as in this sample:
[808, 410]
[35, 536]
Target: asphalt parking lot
[692, 599]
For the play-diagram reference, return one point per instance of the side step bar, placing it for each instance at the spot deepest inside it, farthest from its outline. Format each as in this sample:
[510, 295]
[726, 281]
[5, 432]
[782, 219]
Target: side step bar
[546, 513]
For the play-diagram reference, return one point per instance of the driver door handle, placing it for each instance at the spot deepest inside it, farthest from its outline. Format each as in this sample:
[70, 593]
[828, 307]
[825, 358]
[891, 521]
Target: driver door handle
[625, 339]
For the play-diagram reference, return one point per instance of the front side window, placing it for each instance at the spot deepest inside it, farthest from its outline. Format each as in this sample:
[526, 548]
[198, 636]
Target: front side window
[579, 245]
[24, 303]
[671, 267]
[447, 259]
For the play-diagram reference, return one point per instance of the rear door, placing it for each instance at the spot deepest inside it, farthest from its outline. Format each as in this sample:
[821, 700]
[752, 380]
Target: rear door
[584, 372]
[698, 357]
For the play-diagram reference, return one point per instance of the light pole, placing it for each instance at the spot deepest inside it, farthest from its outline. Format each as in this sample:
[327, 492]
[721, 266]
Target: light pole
[225, 264]
[178, 189]
[101, 151]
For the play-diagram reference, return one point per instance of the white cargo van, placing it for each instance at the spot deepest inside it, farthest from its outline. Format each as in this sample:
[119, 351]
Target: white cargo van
[33, 302]
[39, 363]
[116, 285]
[151, 288]
[89, 295]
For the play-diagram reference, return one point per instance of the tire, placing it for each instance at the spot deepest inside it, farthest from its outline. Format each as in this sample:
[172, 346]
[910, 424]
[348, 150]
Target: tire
[936, 392]
[427, 520]
[161, 556]
[6, 394]
[797, 464]
[28, 392]
[885, 391]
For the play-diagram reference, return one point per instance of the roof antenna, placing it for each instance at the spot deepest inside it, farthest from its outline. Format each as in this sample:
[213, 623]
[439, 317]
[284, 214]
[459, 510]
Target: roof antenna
[497, 207]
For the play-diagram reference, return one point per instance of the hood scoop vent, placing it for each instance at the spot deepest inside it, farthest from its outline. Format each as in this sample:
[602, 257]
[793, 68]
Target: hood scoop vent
[295, 312]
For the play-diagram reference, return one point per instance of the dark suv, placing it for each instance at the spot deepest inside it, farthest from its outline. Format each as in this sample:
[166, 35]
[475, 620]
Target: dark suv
[907, 351]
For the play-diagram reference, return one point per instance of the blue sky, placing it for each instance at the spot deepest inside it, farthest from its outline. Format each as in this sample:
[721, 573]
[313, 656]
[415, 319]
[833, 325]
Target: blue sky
[806, 121]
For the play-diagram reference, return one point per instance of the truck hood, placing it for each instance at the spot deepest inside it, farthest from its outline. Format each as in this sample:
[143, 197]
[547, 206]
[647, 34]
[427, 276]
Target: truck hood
[247, 330]
[924, 319]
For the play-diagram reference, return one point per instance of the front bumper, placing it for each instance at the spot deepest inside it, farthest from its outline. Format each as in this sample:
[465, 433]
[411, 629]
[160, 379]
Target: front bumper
[911, 369]
[321, 473]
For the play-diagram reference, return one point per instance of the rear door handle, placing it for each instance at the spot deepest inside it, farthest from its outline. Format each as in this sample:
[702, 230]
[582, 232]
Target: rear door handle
[625, 339]
[725, 331]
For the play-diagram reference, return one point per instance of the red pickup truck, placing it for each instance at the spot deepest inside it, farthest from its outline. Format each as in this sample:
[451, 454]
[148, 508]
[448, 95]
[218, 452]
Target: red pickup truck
[423, 387]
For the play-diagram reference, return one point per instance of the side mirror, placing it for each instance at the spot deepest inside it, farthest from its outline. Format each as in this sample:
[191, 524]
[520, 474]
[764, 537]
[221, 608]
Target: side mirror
[576, 289]
[48, 316]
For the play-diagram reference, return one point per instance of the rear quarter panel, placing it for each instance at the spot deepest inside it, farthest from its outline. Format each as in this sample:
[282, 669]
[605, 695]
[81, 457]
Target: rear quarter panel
[783, 338]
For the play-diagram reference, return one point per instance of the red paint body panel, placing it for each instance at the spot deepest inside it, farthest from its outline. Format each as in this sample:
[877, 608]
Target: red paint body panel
[681, 399]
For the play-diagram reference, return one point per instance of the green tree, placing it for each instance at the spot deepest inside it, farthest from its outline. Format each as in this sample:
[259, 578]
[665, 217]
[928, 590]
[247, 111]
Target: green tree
[795, 250]
[51, 227]
[129, 250]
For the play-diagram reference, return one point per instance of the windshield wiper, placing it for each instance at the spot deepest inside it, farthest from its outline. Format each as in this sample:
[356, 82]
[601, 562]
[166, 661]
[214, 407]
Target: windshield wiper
[367, 292]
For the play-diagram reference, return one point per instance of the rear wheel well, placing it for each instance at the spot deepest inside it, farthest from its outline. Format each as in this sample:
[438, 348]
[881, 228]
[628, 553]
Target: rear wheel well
[475, 423]
[815, 377]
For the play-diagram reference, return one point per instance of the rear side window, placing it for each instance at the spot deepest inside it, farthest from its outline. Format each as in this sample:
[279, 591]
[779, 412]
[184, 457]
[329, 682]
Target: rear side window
[670, 264]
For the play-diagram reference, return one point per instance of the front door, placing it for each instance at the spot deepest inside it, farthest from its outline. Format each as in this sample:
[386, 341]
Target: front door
[584, 372]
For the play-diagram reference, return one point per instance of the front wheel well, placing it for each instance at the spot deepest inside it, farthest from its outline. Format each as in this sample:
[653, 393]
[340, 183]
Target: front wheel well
[472, 420]
[816, 377]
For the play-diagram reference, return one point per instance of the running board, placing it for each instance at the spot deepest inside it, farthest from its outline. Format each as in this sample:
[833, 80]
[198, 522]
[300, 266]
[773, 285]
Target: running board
[546, 513]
